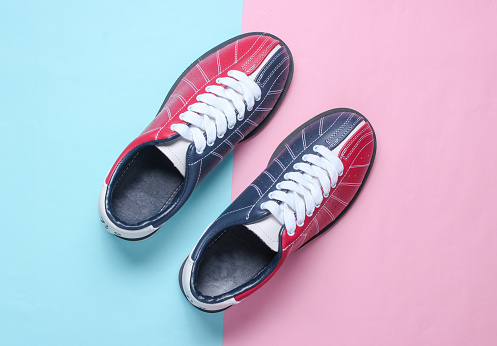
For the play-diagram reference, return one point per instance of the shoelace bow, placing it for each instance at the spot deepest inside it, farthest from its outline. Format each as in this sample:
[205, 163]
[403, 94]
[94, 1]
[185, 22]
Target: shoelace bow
[218, 110]
[304, 191]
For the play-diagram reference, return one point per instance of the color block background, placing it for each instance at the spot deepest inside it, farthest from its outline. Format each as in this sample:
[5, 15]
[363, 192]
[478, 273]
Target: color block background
[414, 262]
[78, 81]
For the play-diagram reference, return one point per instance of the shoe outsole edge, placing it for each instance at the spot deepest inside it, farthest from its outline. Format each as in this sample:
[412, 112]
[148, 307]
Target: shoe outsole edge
[180, 279]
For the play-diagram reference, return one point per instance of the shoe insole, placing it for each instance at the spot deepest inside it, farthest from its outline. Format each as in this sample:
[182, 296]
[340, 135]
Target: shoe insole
[147, 186]
[232, 260]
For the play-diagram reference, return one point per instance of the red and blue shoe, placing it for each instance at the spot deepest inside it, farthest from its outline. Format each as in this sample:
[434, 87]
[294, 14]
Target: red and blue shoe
[223, 98]
[312, 179]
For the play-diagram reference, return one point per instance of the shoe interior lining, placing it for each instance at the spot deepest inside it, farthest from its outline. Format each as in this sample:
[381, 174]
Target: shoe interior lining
[146, 186]
[234, 259]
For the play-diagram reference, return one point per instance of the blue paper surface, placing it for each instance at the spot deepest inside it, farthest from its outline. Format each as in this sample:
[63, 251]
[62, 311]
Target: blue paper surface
[79, 81]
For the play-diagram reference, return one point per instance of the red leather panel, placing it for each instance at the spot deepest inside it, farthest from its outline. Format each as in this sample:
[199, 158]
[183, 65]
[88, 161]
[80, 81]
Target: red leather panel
[356, 157]
[245, 54]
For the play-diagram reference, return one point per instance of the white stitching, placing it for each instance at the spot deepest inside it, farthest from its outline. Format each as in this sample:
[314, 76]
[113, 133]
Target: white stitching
[233, 211]
[291, 163]
[279, 163]
[257, 189]
[344, 150]
[190, 84]
[244, 66]
[349, 184]
[203, 73]
[269, 175]
[290, 151]
[157, 135]
[243, 123]
[236, 50]
[348, 130]
[261, 57]
[357, 143]
[338, 199]
[218, 155]
[199, 172]
[183, 100]
[173, 195]
[259, 77]
[127, 167]
[218, 58]
[240, 132]
[281, 63]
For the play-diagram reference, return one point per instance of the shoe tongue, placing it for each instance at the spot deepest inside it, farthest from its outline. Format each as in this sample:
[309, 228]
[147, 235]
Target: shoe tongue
[175, 151]
[268, 230]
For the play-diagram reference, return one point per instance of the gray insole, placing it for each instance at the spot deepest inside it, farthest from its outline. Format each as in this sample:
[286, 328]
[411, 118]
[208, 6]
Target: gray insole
[147, 186]
[231, 261]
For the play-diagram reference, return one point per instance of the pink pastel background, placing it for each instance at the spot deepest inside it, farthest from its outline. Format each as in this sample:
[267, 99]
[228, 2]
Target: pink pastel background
[414, 262]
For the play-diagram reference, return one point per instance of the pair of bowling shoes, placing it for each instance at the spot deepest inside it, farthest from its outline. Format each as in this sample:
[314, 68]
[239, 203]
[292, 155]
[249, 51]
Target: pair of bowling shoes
[222, 99]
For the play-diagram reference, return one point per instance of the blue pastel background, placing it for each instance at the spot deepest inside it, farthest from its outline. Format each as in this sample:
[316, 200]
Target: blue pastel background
[78, 81]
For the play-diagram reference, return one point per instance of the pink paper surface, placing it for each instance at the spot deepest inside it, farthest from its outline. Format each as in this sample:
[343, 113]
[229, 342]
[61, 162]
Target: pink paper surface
[414, 262]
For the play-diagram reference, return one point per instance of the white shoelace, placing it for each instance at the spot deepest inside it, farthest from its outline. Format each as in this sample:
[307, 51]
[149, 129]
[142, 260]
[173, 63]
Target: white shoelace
[218, 109]
[304, 190]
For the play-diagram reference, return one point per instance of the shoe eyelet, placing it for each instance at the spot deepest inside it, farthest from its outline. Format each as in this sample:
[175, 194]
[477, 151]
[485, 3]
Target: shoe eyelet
[333, 186]
[300, 225]
[262, 206]
[250, 109]
[231, 127]
[290, 234]
[304, 158]
[278, 186]
[258, 99]
[271, 195]
[326, 195]
[308, 215]
[315, 148]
